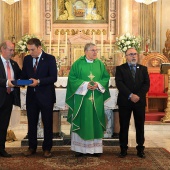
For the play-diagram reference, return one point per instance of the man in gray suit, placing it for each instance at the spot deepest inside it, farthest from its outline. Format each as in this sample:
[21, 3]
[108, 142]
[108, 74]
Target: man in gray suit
[10, 95]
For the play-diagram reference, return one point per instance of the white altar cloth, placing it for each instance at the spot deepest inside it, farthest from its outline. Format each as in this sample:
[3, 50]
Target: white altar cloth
[60, 99]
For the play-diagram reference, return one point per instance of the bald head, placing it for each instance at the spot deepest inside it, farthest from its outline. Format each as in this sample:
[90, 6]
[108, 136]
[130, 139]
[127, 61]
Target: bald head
[7, 49]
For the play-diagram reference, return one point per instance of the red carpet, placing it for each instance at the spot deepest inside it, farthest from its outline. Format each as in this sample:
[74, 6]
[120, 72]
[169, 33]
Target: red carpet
[154, 116]
[64, 159]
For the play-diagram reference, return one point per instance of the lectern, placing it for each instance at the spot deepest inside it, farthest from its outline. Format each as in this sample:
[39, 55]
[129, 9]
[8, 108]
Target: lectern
[165, 69]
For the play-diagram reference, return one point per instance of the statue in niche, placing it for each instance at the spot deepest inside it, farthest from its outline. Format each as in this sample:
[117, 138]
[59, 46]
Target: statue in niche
[69, 7]
[63, 16]
[95, 16]
[90, 6]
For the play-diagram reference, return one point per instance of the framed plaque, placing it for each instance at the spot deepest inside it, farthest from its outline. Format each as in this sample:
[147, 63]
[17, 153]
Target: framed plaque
[80, 11]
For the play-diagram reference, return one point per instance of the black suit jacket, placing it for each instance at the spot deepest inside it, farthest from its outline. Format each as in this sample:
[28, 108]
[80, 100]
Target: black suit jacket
[3, 80]
[126, 84]
[46, 73]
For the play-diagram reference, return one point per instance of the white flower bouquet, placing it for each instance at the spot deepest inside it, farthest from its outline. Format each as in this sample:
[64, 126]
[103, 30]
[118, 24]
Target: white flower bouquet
[128, 41]
[21, 46]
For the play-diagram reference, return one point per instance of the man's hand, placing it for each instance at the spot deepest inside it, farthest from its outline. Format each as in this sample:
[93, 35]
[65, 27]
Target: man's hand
[92, 87]
[35, 82]
[10, 84]
[135, 98]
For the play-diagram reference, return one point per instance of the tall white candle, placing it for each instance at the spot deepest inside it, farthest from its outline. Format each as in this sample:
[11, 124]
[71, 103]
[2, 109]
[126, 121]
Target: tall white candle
[101, 43]
[58, 52]
[93, 37]
[66, 45]
[110, 43]
[50, 44]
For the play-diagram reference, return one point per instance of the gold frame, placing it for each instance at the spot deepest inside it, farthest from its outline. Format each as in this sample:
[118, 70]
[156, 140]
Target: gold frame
[97, 15]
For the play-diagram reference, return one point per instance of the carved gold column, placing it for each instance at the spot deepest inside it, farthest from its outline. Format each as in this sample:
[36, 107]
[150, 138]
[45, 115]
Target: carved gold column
[35, 17]
[166, 118]
[125, 16]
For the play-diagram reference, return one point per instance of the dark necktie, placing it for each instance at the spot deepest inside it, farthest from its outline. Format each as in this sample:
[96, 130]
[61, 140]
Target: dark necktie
[8, 76]
[132, 69]
[35, 65]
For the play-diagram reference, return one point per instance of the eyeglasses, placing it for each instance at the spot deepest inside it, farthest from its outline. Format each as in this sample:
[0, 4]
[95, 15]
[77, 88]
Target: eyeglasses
[93, 51]
[131, 54]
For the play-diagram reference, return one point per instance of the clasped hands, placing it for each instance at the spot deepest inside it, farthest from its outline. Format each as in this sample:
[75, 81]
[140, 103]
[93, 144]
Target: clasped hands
[35, 82]
[92, 85]
[134, 98]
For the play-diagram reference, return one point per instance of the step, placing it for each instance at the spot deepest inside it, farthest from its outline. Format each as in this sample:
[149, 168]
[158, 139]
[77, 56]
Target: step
[66, 140]
[154, 116]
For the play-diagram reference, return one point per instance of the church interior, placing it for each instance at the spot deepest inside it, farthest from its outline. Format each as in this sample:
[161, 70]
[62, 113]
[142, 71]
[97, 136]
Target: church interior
[65, 26]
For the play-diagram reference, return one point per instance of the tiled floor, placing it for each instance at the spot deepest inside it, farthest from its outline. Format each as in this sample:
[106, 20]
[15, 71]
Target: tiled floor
[157, 134]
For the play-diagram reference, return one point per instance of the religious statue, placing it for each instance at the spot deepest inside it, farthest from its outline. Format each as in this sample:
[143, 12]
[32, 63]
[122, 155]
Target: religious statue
[69, 7]
[95, 16]
[90, 6]
[147, 45]
[63, 16]
[166, 50]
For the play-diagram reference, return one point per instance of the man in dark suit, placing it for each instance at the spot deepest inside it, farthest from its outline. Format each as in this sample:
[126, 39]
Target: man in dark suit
[10, 95]
[132, 81]
[41, 68]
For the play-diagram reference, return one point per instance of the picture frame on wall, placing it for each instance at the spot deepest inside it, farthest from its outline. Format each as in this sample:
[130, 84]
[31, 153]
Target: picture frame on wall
[80, 11]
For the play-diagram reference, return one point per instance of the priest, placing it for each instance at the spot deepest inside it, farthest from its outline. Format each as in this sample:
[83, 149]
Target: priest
[87, 90]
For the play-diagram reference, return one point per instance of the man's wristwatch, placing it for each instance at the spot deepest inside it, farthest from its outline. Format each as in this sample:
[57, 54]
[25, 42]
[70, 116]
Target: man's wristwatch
[38, 81]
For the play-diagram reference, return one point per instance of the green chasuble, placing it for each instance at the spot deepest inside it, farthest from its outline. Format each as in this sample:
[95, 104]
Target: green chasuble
[86, 112]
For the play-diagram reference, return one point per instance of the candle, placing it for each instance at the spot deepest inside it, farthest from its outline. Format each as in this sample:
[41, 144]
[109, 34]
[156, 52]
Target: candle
[110, 44]
[66, 45]
[101, 43]
[50, 44]
[58, 44]
[93, 37]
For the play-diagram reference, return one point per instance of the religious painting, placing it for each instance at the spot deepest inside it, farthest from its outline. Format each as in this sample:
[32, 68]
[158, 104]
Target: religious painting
[76, 11]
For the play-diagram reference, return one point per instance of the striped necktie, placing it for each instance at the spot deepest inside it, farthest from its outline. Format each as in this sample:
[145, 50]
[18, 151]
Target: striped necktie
[35, 65]
[132, 69]
[8, 76]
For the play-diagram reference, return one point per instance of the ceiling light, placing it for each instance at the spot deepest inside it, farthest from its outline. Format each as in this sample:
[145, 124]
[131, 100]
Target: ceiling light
[10, 2]
[147, 2]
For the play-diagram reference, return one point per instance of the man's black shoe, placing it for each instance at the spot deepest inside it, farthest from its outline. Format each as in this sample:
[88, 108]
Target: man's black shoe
[3, 153]
[78, 154]
[97, 154]
[141, 154]
[123, 153]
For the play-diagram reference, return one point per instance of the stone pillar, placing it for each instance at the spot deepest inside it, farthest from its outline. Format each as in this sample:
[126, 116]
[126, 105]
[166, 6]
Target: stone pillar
[125, 16]
[35, 18]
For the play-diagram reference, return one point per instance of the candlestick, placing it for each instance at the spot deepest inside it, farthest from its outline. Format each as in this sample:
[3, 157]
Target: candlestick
[50, 44]
[93, 37]
[66, 45]
[58, 44]
[101, 43]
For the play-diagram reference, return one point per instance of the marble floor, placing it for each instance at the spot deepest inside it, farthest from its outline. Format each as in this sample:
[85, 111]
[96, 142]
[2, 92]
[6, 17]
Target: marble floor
[157, 134]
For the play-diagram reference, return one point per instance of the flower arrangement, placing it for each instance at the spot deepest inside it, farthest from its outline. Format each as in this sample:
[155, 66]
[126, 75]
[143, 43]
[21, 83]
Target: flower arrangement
[128, 41]
[21, 46]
